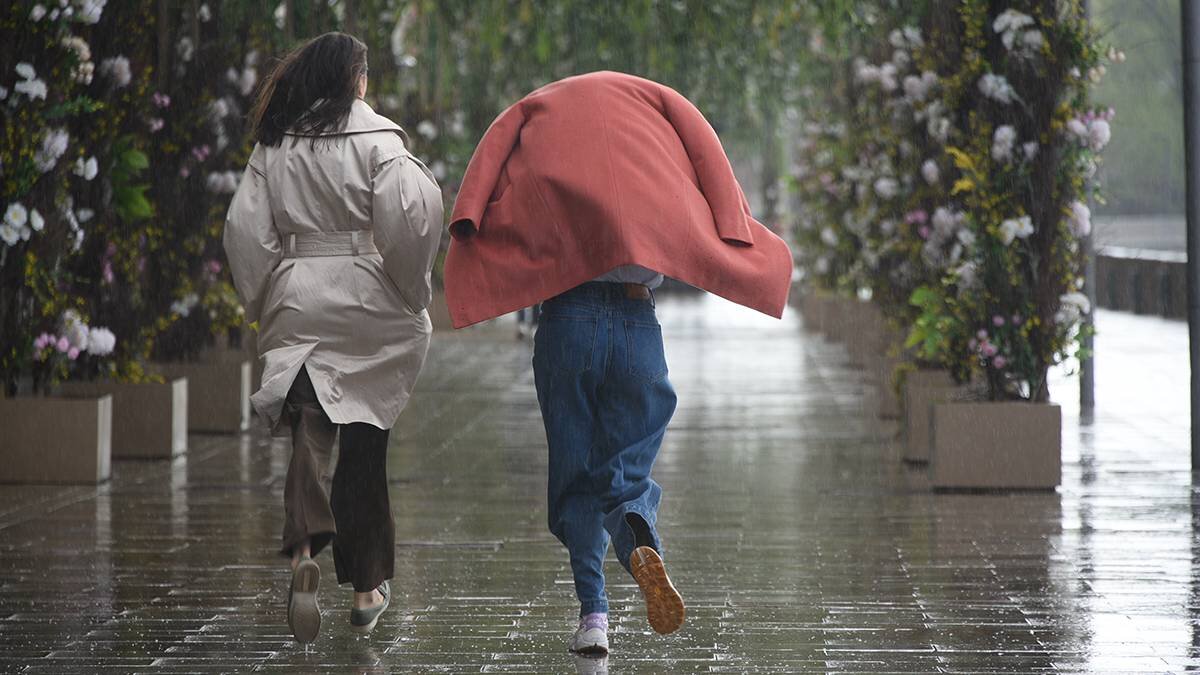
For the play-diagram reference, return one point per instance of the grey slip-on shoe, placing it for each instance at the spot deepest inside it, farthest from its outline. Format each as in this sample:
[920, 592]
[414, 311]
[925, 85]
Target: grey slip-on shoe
[364, 620]
[304, 615]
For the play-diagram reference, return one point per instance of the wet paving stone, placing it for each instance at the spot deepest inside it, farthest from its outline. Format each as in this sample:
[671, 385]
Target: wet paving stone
[800, 541]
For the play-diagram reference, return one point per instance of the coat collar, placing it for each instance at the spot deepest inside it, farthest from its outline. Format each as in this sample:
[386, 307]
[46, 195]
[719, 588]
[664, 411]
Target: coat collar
[363, 119]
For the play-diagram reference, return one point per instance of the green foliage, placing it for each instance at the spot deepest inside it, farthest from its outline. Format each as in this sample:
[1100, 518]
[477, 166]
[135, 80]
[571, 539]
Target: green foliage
[129, 198]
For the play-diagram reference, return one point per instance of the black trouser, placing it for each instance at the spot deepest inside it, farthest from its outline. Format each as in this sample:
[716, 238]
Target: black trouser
[356, 515]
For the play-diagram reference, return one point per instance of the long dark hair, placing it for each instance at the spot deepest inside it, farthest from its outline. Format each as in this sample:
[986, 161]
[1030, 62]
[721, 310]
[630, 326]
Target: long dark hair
[312, 89]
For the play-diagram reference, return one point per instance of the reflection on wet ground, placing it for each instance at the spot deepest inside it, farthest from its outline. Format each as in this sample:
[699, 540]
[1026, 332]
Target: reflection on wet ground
[799, 540]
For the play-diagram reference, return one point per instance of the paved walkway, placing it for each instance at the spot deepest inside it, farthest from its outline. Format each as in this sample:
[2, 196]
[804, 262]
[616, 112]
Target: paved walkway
[800, 543]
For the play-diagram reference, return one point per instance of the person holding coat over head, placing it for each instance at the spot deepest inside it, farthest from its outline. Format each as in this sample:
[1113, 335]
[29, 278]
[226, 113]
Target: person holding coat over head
[331, 238]
[584, 194]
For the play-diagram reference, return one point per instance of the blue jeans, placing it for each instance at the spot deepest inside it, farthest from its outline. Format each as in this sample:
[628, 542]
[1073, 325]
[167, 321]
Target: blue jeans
[602, 386]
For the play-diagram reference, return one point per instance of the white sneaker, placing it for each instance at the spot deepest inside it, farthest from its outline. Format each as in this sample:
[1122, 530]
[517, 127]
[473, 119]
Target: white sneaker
[590, 641]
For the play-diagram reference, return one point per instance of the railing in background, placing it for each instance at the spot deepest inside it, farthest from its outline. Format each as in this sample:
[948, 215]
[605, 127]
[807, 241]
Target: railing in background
[1142, 281]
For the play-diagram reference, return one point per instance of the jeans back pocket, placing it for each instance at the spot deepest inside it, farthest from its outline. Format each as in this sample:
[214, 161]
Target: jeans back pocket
[644, 356]
[564, 343]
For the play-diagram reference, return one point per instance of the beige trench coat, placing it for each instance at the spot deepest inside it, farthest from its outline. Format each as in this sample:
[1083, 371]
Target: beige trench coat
[358, 322]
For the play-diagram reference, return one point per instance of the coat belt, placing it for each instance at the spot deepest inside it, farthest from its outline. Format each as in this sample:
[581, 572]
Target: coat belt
[319, 244]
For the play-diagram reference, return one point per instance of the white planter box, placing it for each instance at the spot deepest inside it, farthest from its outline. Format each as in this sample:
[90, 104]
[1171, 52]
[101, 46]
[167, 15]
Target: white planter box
[922, 389]
[56, 439]
[150, 420]
[218, 391]
[996, 445]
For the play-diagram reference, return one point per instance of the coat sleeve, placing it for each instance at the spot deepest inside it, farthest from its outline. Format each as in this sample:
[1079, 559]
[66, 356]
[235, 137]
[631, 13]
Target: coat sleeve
[483, 171]
[408, 217]
[717, 181]
[251, 241]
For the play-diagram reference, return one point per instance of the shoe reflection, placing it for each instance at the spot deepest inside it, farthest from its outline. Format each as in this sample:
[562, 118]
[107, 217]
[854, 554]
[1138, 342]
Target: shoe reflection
[590, 665]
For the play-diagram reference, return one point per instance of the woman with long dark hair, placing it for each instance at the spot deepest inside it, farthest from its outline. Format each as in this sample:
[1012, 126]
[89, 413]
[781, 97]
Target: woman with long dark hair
[331, 238]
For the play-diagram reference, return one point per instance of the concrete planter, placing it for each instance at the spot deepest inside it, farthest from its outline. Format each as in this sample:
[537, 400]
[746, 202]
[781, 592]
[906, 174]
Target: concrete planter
[150, 420]
[996, 445]
[56, 439]
[883, 397]
[218, 391]
[865, 335]
[922, 389]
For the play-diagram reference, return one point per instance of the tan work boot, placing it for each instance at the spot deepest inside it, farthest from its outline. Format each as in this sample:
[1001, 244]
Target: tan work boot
[664, 605]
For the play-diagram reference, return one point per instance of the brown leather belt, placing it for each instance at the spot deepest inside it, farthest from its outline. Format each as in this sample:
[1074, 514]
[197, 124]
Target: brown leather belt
[637, 291]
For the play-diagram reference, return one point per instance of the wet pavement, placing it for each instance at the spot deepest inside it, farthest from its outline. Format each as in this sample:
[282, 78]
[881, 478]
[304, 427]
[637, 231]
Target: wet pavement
[798, 539]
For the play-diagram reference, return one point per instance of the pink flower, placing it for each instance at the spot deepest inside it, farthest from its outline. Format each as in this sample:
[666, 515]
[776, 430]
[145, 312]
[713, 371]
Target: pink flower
[73, 353]
[924, 231]
[213, 267]
[184, 171]
[997, 321]
[156, 124]
[989, 350]
[918, 216]
[1016, 319]
[973, 344]
[999, 362]
[982, 334]
[106, 272]
[161, 100]
[62, 345]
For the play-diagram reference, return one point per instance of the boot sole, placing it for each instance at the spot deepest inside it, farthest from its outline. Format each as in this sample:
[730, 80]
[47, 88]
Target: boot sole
[664, 605]
[304, 615]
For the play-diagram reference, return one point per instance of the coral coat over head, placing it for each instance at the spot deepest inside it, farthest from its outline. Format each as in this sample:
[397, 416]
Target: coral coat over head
[597, 171]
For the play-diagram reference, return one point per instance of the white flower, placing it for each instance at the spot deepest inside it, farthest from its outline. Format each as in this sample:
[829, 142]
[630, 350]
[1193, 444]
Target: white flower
[438, 168]
[930, 172]
[966, 237]
[16, 215]
[86, 169]
[186, 49]
[280, 15]
[74, 329]
[938, 128]
[1080, 219]
[36, 221]
[84, 215]
[1030, 149]
[29, 85]
[204, 13]
[1015, 228]
[1032, 40]
[247, 80]
[1099, 133]
[913, 35]
[1077, 128]
[185, 305]
[901, 58]
[946, 221]
[219, 109]
[9, 235]
[3, 93]
[896, 38]
[887, 187]
[822, 265]
[222, 182]
[117, 69]
[887, 77]
[54, 144]
[90, 10]
[1072, 307]
[427, 130]
[968, 273]
[997, 88]
[37, 13]
[1002, 142]
[101, 342]
[829, 237]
